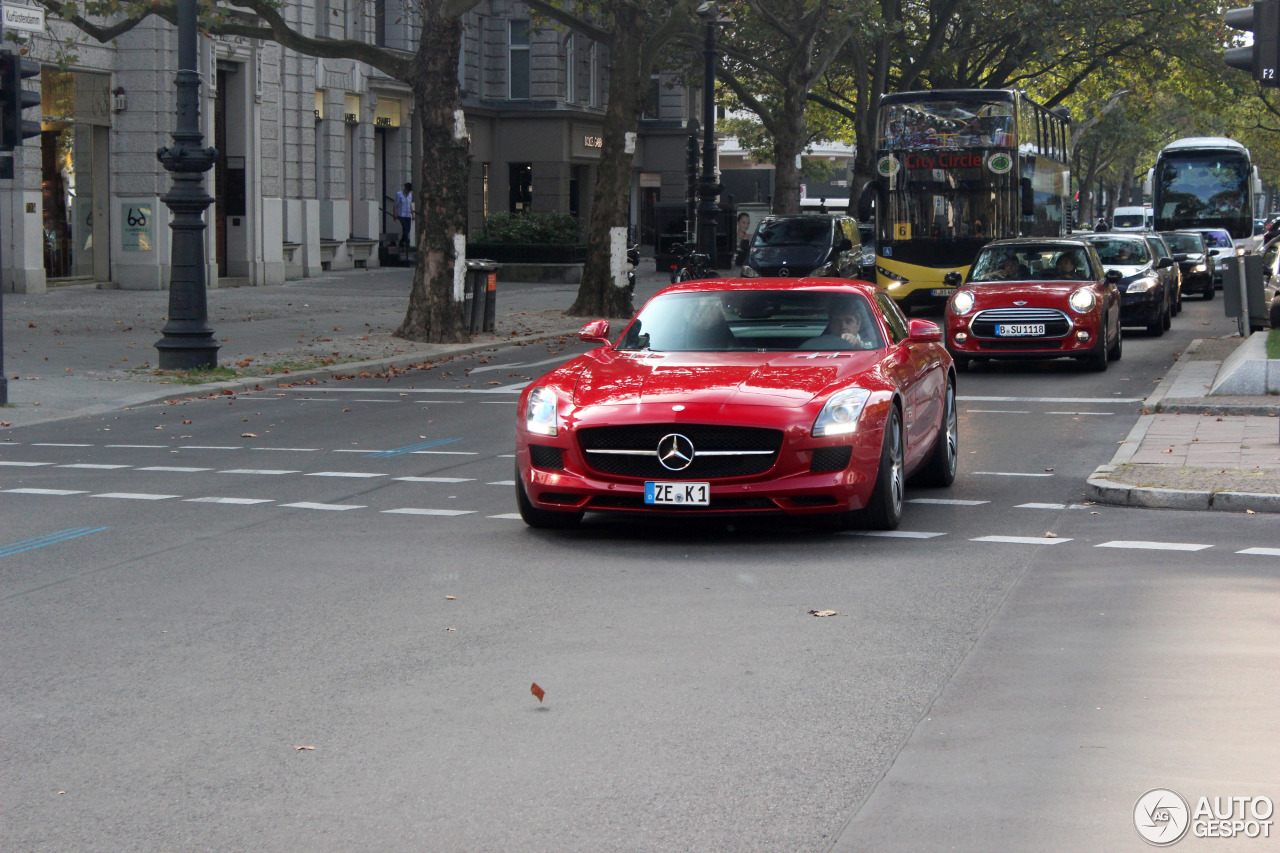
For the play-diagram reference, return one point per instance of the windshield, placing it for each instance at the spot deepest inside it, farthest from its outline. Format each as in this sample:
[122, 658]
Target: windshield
[1197, 189]
[1218, 240]
[1129, 220]
[1024, 263]
[1124, 253]
[797, 231]
[946, 124]
[754, 321]
[1189, 244]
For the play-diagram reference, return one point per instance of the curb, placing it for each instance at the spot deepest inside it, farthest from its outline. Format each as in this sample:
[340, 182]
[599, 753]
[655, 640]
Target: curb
[1099, 489]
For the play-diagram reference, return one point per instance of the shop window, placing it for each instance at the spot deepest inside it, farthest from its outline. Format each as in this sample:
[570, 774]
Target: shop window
[520, 176]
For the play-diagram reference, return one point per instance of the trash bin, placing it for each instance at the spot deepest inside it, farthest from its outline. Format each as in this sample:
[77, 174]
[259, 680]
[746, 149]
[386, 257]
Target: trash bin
[480, 304]
[1250, 297]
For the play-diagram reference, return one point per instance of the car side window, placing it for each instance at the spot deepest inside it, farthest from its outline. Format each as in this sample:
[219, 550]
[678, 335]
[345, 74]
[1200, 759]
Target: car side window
[893, 317]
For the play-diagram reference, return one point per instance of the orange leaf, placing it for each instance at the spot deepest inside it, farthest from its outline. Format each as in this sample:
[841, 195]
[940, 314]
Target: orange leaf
[537, 691]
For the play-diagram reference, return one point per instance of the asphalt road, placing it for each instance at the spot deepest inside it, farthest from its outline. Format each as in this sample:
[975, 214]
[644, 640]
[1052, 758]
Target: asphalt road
[309, 619]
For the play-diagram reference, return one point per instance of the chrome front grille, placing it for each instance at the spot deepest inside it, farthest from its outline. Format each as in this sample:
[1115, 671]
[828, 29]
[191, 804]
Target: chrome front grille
[1056, 323]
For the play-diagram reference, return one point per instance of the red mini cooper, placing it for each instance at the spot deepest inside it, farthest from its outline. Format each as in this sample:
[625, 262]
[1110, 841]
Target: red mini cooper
[1035, 299]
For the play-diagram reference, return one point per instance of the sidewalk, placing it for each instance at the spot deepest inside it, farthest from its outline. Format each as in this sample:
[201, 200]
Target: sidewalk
[77, 350]
[1193, 451]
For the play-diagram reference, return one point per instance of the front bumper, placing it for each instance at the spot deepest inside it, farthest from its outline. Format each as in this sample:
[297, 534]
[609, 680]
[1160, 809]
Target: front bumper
[1141, 309]
[1030, 347]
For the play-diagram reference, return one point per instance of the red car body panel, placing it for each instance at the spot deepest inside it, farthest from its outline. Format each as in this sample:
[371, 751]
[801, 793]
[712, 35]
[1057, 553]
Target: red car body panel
[783, 391]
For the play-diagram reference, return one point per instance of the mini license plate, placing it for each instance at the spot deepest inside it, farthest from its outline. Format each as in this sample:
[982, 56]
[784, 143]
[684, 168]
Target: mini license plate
[1014, 330]
[680, 494]
[942, 291]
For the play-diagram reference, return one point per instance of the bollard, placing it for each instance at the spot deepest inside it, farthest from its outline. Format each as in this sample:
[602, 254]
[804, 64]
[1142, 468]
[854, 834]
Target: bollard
[491, 301]
[482, 290]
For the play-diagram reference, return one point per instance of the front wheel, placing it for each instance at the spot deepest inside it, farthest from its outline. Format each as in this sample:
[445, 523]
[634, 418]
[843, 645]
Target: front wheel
[1209, 293]
[1156, 327]
[940, 470]
[884, 511]
[1116, 349]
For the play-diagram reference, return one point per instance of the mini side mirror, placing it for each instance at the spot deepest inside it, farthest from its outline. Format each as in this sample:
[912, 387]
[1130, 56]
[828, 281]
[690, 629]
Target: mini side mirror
[595, 332]
[952, 279]
[924, 332]
[1113, 276]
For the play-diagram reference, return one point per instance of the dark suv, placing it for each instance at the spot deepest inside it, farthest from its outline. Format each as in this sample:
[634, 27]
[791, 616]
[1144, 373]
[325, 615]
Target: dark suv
[805, 244]
[1193, 259]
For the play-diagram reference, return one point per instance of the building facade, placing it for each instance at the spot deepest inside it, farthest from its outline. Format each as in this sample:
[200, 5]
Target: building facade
[311, 151]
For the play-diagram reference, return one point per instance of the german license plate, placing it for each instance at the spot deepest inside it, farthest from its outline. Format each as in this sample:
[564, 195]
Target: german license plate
[1015, 330]
[942, 291]
[679, 494]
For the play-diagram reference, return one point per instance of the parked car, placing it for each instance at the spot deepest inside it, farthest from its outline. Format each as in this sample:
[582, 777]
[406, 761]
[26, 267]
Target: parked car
[1221, 249]
[1193, 260]
[1171, 272]
[1146, 299]
[796, 397]
[805, 244]
[1035, 299]
[1271, 281]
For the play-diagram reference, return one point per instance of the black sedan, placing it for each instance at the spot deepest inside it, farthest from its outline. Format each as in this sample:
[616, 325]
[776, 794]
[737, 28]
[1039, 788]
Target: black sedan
[1147, 298]
[1193, 259]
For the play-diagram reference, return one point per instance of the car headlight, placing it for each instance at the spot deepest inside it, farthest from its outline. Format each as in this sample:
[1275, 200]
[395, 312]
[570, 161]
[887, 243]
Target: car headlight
[1200, 268]
[1142, 285]
[1082, 300]
[962, 302]
[541, 416]
[894, 279]
[825, 270]
[748, 272]
[840, 415]
[1240, 252]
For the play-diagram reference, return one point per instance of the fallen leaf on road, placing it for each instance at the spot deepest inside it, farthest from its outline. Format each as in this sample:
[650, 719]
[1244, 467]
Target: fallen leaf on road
[537, 691]
[1048, 469]
[451, 629]
[248, 435]
[6, 423]
[1049, 534]
[186, 422]
[823, 613]
[451, 598]
[299, 748]
[346, 410]
[1249, 512]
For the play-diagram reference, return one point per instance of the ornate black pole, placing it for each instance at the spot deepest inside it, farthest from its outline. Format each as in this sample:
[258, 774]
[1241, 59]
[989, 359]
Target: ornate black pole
[709, 188]
[187, 340]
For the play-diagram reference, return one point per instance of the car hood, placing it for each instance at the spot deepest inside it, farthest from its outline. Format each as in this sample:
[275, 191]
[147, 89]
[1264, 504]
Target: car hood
[792, 256]
[1132, 271]
[989, 292]
[747, 379]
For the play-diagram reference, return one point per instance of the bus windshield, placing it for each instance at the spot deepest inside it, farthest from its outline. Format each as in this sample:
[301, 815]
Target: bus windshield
[1200, 189]
[946, 124]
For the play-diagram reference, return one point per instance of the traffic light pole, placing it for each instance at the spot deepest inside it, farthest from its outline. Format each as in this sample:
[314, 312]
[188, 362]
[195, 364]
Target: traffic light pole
[187, 341]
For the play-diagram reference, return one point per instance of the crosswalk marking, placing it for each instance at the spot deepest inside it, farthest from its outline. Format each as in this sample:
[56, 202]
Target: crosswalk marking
[243, 501]
[1021, 540]
[135, 496]
[1153, 546]
[415, 511]
[337, 507]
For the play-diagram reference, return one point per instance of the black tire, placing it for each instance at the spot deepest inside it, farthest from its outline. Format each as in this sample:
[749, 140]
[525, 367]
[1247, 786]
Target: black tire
[884, 511]
[1156, 327]
[543, 519]
[940, 470]
[1168, 318]
[1117, 349]
[961, 362]
[1209, 293]
[1096, 360]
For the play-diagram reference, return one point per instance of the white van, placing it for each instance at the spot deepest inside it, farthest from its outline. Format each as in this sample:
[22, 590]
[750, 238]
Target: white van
[1133, 219]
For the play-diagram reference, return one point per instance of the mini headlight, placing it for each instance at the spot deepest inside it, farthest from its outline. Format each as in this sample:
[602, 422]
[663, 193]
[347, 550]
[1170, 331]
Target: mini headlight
[541, 416]
[962, 302]
[748, 272]
[1142, 285]
[840, 415]
[1083, 300]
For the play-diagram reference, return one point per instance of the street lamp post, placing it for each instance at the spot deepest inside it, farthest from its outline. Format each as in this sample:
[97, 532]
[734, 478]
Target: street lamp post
[708, 189]
[187, 340]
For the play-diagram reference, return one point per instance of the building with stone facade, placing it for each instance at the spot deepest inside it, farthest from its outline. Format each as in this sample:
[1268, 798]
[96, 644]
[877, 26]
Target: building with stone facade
[311, 151]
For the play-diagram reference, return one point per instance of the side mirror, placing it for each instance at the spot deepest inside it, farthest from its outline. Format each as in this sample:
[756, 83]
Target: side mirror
[952, 279]
[1180, 257]
[1164, 263]
[923, 332]
[1113, 276]
[844, 244]
[595, 332]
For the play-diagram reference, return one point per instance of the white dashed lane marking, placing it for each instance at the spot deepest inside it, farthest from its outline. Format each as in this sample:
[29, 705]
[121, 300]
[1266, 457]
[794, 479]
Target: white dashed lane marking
[996, 412]
[1020, 540]
[512, 516]
[1080, 413]
[1153, 546]
[209, 447]
[1007, 474]
[44, 492]
[266, 471]
[436, 479]
[1261, 552]
[336, 507]
[415, 511]
[898, 534]
[26, 464]
[54, 444]
[288, 449]
[1050, 506]
[94, 466]
[344, 474]
[175, 469]
[502, 483]
[240, 501]
[136, 496]
[943, 501]
[141, 446]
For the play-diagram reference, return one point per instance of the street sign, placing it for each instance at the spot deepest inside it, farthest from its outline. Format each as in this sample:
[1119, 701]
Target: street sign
[27, 18]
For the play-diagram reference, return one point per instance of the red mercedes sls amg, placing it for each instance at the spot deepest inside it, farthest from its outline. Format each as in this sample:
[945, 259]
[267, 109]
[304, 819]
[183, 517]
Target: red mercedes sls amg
[787, 396]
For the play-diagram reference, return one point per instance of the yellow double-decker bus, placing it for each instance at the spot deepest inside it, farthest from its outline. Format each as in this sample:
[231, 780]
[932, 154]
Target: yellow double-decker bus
[956, 169]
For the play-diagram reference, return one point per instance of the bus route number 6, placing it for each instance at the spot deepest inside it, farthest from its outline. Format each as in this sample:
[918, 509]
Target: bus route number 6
[902, 230]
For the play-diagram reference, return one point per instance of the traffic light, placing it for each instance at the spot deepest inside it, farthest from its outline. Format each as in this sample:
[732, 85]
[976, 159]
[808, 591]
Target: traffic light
[1263, 56]
[14, 99]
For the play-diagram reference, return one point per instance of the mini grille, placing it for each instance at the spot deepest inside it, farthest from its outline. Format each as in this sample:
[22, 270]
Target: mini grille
[1056, 324]
[543, 456]
[748, 441]
[831, 459]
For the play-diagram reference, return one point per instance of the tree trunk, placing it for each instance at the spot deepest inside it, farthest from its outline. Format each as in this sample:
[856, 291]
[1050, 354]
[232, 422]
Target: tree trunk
[436, 298]
[604, 291]
[788, 145]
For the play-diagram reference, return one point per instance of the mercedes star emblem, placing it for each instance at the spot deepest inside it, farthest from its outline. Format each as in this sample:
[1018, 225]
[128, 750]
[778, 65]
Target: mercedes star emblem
[675, 452]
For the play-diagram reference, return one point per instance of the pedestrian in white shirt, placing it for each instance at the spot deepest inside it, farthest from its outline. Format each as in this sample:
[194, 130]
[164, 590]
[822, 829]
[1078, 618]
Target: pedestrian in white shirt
[404, 212]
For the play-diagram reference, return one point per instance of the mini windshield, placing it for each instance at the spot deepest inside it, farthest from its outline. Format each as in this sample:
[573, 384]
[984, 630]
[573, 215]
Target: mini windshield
[1045, 262]
[1122, 253]
[754, 321]
[798, 231]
